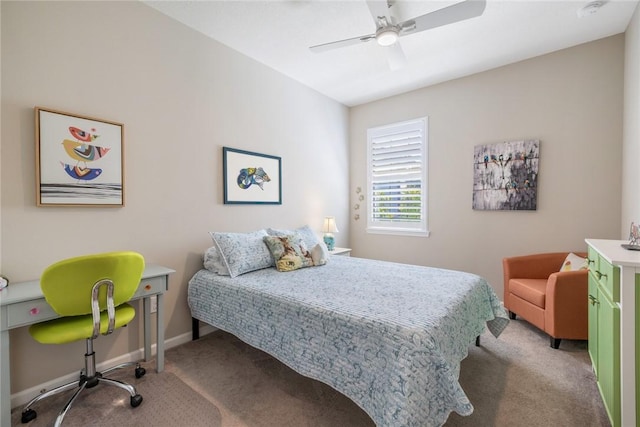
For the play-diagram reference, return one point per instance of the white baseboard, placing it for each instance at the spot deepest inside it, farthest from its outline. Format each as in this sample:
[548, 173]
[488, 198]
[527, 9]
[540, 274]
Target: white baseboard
[21, 398]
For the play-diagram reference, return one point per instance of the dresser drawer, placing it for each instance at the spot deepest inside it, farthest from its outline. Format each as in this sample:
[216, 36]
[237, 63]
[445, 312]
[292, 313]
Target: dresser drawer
[152, 286]
[608, 277]
[28, 312]
[593, 259]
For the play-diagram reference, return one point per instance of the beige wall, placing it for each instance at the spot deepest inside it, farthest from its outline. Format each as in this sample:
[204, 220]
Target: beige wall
[631, 146]
[181, 97]
[571, 100]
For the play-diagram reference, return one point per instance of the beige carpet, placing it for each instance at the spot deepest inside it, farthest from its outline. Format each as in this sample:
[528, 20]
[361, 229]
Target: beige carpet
[516, 380]
[168, 401]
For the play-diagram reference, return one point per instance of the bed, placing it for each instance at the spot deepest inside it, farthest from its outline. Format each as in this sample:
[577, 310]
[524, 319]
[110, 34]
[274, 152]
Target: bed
[389, 336]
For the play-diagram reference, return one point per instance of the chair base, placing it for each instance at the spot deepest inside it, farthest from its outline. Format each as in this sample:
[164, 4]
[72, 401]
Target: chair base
[83, 383]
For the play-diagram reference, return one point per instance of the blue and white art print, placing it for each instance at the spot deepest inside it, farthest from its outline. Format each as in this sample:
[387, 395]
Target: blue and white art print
[505, 175]
[251, 178]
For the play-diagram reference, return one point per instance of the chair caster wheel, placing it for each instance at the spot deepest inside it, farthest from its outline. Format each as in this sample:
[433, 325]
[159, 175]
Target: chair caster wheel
[140, 371]
[136, 401]
[28, 415]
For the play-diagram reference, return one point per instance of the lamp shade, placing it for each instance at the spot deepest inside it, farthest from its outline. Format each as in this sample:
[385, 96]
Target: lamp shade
[329, 225]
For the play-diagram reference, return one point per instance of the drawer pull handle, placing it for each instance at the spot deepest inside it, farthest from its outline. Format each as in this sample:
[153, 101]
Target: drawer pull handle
[147, 287]
[593, 300]
[590, 261]
[600, 275]
[34, 311]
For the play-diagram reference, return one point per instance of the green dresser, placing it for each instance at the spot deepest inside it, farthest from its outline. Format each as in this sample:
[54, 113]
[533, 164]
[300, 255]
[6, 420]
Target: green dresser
[604, 330]
[614, 335]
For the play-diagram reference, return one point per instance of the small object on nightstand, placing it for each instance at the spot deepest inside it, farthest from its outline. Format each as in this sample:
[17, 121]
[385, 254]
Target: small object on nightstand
[340, 251]
[329, 227]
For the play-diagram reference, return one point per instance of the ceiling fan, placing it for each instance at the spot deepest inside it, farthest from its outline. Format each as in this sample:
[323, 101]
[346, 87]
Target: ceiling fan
[388, 31]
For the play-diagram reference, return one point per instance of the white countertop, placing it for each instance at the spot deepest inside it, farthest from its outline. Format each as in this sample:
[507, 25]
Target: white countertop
[613, 252]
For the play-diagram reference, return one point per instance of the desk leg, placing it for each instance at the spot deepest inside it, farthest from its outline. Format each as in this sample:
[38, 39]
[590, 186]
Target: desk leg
[147, 327]
[5, 380]
[160, 332]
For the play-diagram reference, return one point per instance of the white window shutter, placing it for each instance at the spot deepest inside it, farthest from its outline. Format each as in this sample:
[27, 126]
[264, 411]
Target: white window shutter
[397, 184]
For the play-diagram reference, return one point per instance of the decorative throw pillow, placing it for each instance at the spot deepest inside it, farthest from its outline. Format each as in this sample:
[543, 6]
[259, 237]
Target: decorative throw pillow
[213, 262]
[308, 236]
[289, 252]
[242, 252]
[574, 262]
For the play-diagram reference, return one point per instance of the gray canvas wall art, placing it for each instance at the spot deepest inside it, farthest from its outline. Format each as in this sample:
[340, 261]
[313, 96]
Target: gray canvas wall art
[505, 175]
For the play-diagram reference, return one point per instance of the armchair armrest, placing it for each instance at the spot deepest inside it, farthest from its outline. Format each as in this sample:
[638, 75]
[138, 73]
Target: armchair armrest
[567, 304]
[565, 283]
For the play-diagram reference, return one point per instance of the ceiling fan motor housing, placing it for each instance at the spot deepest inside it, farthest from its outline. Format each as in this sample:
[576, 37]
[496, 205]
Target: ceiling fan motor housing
[387, 36]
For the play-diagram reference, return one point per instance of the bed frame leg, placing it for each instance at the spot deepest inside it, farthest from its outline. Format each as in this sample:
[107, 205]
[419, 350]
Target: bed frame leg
[478, 341]
[195, 328]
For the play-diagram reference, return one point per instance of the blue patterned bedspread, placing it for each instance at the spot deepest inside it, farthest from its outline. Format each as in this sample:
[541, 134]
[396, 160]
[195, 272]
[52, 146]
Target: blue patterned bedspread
[389, 336]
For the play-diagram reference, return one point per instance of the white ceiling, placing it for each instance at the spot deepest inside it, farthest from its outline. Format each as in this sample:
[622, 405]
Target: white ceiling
[279, 34]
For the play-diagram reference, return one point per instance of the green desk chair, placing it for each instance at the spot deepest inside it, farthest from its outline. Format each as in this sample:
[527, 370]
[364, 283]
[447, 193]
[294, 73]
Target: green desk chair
[90, 293]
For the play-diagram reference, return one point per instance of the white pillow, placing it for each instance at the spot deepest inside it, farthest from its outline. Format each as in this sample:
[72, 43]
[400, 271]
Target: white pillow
[319, 254]
[574, 262]
[243, 252]
[214, 263]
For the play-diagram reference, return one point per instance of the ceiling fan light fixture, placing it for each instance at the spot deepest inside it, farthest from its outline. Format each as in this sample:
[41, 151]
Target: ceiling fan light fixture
[387, 36]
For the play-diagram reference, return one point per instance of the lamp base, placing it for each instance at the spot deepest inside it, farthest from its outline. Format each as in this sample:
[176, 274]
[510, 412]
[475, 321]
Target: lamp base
[329, 240]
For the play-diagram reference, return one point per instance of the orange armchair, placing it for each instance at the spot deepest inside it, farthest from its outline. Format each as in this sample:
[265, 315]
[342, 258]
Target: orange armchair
[554, 301]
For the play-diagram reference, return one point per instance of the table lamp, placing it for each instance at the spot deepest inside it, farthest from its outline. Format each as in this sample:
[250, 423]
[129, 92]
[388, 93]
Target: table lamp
[329, 227]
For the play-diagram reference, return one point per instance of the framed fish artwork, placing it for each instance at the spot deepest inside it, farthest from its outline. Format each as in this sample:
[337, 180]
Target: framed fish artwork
[79, 160]
[251, 178]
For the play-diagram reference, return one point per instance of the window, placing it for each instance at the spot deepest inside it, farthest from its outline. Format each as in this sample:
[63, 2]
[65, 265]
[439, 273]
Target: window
[397, 178]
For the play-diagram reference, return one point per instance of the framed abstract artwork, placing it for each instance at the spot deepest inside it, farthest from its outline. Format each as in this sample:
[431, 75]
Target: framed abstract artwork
[79, 160]
[251, 178]
[505, 175]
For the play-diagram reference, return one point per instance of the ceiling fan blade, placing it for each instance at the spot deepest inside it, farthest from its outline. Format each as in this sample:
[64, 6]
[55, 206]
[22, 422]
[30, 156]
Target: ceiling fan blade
[379, 9]
[448, 15]
[341, 43]
[396, 57]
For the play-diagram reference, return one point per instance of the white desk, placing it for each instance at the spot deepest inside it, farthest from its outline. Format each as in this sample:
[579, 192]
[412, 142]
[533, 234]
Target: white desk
[22, 304]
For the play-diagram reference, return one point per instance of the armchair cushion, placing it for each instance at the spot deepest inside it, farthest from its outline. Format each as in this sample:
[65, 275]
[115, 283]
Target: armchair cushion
[531, 290]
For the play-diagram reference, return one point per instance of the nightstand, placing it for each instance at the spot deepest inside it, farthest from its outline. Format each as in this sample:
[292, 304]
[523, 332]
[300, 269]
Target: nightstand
[340, 251]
